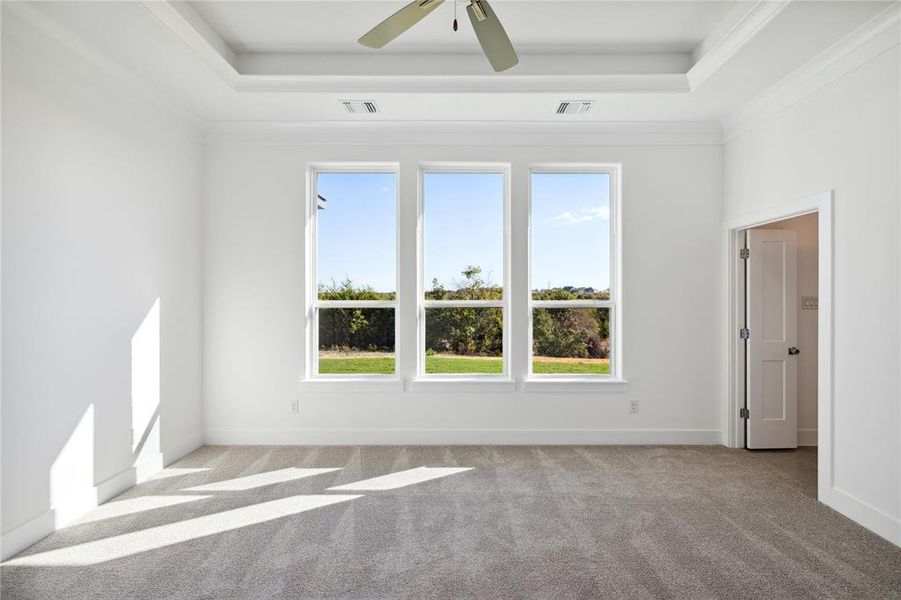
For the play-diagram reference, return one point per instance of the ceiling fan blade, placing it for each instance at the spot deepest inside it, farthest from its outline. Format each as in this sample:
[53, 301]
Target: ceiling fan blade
[399, 22]
[492, 37]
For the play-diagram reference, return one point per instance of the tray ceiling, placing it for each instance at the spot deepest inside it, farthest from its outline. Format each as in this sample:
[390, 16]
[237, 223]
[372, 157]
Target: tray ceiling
[534, 26]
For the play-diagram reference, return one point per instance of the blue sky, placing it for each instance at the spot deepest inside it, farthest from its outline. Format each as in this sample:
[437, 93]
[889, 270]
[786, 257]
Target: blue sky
[357, 229]
[571, 230]
[464, 224]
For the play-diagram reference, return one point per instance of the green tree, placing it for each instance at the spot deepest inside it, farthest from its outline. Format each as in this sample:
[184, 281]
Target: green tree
[347, 291]
[566, 332]
[570, 332]
[464, 330]
[473, 286]
[561, 332]
[355, 328]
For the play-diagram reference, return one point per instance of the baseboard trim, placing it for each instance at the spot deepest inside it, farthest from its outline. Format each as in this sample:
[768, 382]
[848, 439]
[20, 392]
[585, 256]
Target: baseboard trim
[336, 437]
[23, 536]
[115, 485]
[141, 471]
[807, 437]
[877, 521]
[182, 448]
[14, 541]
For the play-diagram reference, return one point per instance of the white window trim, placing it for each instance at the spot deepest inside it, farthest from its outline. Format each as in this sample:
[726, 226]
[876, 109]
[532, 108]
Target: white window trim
[615, 380]
[441, 381]
[312, 379]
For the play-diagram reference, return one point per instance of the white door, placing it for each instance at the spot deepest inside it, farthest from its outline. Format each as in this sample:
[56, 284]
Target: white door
[772, 367]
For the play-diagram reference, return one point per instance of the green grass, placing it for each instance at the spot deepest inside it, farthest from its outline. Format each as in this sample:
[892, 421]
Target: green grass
[571, 368]
[361, 366]
[454, 365]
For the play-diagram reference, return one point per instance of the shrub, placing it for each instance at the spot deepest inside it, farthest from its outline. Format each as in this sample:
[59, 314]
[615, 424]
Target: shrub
[564, 332]
[462, 330]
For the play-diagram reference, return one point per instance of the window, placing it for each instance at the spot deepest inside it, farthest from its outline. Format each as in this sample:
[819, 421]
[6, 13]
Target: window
[572, 300]
[353, 283]
[566, 332]
[463, 273]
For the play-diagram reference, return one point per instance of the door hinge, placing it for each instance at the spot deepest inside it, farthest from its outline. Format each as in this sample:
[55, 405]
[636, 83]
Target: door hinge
[744, 413]
[744, 253]
[745, 333]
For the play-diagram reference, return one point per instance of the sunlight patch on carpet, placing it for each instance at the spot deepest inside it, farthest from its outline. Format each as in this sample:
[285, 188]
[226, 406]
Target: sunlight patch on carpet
[121, 546]
[400, 479]
[239, 484]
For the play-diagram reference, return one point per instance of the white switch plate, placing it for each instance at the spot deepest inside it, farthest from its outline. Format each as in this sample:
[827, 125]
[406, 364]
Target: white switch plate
[633, 407]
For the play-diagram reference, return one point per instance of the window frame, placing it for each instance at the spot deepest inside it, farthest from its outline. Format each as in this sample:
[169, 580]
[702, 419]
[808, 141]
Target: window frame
[425, 168]
[314, 305]
[614, 304]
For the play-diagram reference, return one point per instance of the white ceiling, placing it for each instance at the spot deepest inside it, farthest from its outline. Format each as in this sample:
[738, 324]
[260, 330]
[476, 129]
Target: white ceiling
[534, 26]
[294, 61]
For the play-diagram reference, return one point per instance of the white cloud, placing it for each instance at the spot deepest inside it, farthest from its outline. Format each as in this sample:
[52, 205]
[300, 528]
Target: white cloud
[580, 216]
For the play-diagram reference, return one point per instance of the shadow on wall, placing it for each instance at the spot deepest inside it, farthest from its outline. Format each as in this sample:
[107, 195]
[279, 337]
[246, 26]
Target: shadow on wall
[73, 489]
[145, 394]
[72, 473]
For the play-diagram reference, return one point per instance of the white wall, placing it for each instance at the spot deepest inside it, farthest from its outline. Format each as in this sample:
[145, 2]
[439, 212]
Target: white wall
[805, 227]
[101, 218]
[254, 299]
[845, 137]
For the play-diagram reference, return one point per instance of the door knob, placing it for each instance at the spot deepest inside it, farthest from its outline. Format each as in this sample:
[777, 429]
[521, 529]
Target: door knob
[793, 351]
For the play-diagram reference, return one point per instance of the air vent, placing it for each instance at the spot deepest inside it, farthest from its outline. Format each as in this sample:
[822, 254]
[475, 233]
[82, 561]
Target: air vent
[574, 107]
[360, 106]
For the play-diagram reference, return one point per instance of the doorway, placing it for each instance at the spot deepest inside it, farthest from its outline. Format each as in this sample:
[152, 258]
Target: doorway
[780, 333]
[735, 233]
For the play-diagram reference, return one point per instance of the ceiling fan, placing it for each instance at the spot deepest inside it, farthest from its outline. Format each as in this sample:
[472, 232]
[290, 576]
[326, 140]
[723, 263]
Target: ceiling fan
[492, 37]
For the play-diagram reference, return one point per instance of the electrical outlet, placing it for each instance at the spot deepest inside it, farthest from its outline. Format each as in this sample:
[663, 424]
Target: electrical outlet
[633, 407]
[295, 406]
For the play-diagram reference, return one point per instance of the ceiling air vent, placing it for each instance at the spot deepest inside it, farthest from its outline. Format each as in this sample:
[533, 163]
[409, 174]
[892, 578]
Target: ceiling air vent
[360, 106]
[574, 107]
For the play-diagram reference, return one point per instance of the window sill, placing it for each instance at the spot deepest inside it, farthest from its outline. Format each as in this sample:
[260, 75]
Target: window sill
[577, 385]
[351, 384]
[461, 384]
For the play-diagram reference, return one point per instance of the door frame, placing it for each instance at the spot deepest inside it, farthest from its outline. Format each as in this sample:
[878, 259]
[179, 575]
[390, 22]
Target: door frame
[733, 427]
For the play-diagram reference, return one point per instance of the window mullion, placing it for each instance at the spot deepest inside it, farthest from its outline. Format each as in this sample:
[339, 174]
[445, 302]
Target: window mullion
[355, 303]
[463, 303]
[572, 304]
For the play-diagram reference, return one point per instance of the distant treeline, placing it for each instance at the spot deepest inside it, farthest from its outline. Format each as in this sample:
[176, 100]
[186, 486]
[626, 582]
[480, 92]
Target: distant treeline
[559, 332]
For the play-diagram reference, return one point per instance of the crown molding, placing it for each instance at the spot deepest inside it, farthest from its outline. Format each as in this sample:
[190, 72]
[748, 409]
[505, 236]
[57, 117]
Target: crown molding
[875, 37]
[557, 84]
[187, 25]
[27, 24]
[437, 133]
[719, 51]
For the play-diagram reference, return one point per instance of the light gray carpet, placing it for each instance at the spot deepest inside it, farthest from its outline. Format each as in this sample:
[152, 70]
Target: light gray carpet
[524, 522]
